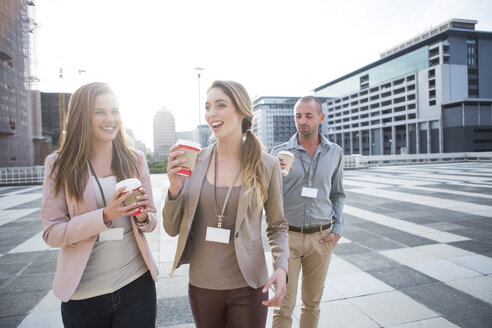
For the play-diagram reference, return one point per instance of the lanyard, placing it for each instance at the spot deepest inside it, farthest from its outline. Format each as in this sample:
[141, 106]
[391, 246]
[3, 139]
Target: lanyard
[98, 184]
[221, 215]
[306, 174]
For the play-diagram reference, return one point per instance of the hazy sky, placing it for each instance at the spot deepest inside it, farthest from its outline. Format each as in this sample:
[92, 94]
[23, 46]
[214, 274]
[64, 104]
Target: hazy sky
[147, 50]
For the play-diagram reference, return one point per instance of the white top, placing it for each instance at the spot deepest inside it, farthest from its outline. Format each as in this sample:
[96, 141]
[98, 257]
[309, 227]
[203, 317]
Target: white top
[112, 264]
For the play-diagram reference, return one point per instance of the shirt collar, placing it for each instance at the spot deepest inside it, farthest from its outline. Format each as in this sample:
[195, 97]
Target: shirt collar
[293, 142]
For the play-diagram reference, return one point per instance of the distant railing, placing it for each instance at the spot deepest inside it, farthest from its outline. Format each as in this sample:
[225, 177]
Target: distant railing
[362, 161]
[21, 175]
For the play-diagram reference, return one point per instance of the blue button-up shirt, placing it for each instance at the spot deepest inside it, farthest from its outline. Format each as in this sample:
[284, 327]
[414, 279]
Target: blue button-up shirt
[302, 211]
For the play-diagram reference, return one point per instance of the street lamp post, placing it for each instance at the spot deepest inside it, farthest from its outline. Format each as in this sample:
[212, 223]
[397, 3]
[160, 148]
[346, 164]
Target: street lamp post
[199, 70]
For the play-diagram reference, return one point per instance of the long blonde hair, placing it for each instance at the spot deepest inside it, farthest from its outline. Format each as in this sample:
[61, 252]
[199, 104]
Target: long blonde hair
[253, 170]
[76, 144]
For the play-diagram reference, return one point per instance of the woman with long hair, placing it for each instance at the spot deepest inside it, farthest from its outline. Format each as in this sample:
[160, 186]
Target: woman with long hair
[217, 213]
[105, 271]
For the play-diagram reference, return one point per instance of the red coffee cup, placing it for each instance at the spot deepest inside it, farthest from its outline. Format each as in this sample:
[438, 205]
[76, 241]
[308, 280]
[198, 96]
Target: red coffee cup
[131, 186]
[191, 150]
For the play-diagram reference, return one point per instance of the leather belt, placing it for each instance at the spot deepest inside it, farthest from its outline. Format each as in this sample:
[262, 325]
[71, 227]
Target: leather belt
[311, 229]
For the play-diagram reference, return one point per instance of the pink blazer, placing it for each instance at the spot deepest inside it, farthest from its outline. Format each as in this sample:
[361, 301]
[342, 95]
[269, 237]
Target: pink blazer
[73, 226]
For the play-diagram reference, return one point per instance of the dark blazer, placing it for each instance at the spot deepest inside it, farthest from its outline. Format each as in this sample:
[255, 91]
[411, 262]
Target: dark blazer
[178, 216]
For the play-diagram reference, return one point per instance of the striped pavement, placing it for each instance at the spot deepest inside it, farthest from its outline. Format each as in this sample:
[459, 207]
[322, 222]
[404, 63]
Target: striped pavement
[416, 252]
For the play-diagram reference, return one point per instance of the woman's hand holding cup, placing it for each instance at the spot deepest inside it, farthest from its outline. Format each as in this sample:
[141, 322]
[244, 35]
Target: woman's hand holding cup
[114, 210]
[173, 167]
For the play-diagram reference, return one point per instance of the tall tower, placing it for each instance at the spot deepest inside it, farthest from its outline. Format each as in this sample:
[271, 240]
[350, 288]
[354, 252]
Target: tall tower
[164, 132]
[16, 117]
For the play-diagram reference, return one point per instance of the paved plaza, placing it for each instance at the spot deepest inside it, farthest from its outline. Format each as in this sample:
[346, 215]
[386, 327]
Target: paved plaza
[416, 252]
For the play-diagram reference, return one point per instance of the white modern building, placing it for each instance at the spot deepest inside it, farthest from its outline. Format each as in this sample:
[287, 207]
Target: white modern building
[430, 94]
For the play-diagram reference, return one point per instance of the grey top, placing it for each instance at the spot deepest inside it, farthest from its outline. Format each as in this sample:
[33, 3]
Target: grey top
[112, 264]
[214, 265]
[303, 211]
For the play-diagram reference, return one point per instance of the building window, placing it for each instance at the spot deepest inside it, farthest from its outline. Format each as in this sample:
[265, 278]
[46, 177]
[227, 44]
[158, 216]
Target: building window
[472, 61]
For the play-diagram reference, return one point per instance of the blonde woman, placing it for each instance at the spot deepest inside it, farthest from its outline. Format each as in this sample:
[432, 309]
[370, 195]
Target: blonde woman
[217, 213]
[105, 272]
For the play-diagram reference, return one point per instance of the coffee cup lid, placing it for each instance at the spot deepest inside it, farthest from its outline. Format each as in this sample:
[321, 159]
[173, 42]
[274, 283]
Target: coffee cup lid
[188, 143]
[129, 184]
[284, 152]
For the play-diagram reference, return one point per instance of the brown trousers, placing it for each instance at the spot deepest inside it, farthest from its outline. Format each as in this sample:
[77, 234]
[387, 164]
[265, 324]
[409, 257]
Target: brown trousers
[235, 308]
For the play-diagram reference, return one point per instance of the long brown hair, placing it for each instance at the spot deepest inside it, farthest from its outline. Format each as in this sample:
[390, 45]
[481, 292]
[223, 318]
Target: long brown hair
[76, 144]
[253, 170]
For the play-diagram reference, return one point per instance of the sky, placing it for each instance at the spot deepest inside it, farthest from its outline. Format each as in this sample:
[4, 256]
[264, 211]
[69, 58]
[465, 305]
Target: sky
[147, 50]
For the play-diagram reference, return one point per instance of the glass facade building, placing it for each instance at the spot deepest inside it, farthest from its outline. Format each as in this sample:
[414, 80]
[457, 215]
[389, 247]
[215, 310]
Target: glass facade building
[410, 101]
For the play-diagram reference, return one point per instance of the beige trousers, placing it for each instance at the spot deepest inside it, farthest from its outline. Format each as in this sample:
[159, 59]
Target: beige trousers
[313, 258]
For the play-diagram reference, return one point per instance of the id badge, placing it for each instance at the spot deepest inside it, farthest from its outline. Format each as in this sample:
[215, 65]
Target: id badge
[309, 192]
[218, 235]
[111, 234]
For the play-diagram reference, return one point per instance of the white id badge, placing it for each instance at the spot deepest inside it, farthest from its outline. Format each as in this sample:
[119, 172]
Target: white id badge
[218, 235]
[309, 192]
[111, 234]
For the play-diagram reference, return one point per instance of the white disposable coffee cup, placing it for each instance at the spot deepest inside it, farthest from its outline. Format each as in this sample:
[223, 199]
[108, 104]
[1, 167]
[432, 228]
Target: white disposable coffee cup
[287, 157]
[132, 186]
[191, 150]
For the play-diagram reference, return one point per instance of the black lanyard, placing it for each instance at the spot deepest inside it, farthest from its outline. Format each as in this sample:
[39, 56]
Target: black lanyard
[98, 184]
[306, 174]
[221, 215]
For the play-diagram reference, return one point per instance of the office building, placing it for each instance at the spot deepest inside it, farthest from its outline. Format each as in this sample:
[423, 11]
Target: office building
[16, 114]
[204, 138]
[185, 135]
[54, 107]
[430, 94]
[274, 121]
[164, 132]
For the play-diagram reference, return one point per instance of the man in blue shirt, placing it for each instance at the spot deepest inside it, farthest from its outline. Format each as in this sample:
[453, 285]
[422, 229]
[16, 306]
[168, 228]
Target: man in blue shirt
[313, 206]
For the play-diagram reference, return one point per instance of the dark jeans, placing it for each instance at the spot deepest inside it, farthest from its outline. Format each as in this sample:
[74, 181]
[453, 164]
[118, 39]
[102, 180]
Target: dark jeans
[228, 308]
[133, 305]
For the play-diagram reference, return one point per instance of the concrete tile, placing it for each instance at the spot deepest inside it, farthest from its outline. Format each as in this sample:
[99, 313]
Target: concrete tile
[456, 306]
[350, 248]
[379, 244]
[392, 308]
[12, 321]
[357, 284]
[407, 255]
[441, 251]
[479, 287]
[33, 244]
[21, 303]
[401, 277]
[173, 311]
[475, 246]
[174, 287]
[438, 322]
[48, 303]
[329, 294]
[338, 266]
[444, 270]
[370, 261]
[479, 263]
[342, 313]
[49, 319]
[443, 237]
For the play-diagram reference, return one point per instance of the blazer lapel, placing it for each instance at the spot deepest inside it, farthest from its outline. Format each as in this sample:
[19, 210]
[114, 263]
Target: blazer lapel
[196, 181]
[242, 206]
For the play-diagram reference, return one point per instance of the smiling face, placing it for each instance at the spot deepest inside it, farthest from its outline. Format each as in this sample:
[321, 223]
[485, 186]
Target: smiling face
[106, 120]
[221, 115]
